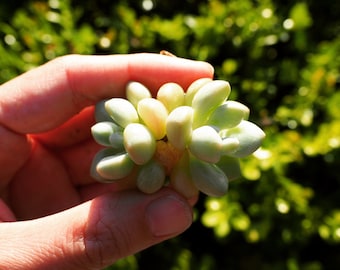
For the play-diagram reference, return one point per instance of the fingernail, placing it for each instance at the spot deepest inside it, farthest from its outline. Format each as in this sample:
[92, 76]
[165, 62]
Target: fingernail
[168, 216]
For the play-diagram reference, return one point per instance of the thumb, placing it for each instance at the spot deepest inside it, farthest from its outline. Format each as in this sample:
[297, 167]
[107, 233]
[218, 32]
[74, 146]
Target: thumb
[94, 234]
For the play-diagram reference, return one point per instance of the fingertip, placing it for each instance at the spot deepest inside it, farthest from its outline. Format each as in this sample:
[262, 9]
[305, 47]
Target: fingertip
[209, 68]
[153, 70]
[6, 215]
[168, 216]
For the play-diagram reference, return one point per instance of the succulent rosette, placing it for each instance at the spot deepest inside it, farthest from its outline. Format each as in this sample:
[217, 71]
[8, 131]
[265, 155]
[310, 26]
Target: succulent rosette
[191, 140]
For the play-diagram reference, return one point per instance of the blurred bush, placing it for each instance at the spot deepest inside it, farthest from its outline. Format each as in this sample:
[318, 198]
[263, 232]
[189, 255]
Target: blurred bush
[282, 60]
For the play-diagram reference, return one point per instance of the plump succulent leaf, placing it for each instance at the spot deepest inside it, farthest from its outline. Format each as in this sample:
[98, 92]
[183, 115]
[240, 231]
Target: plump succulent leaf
[139, 143]
[115, 167]
[181, 180]
[228, 115]
[208, 177]
[171, 95]
[135, 92]
[206, 144]
[179, 126]
[230, 166]
[249, 135]
[193, 88]
[121, 111]
[154, 115]
[207, 99]
[102, 131]
[151, 177]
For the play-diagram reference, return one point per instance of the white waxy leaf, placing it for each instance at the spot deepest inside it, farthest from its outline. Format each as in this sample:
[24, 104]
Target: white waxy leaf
[179, 126]
[230, 166]
[193, 88]
[171, 95]
[206, 144]
[121, 111]
[139, 143]
[229, 145]
[207, 99]
[228, 115]
[102, 131]
[98, 157]
[154, 115]
[116, 140]
[208, 177]
[115, 167]
[249, 135]
[151, 177]
[181, 180]
[135, 92]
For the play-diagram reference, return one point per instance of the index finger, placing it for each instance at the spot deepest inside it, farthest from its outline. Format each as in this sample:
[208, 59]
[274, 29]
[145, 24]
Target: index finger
[47, 96]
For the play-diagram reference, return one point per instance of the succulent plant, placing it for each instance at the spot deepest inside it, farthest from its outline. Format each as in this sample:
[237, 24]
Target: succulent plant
[191, 140]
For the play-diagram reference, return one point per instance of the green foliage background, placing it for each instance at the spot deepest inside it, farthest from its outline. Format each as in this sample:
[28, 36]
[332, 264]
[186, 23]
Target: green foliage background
[282, 60]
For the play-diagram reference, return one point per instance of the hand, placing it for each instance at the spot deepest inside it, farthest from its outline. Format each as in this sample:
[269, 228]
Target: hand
[55, 216]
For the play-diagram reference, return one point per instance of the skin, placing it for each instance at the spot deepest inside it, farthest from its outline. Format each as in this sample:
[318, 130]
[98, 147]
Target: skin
[53, 214]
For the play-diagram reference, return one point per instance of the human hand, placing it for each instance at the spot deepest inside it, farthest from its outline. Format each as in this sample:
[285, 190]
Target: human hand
[55, 216]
